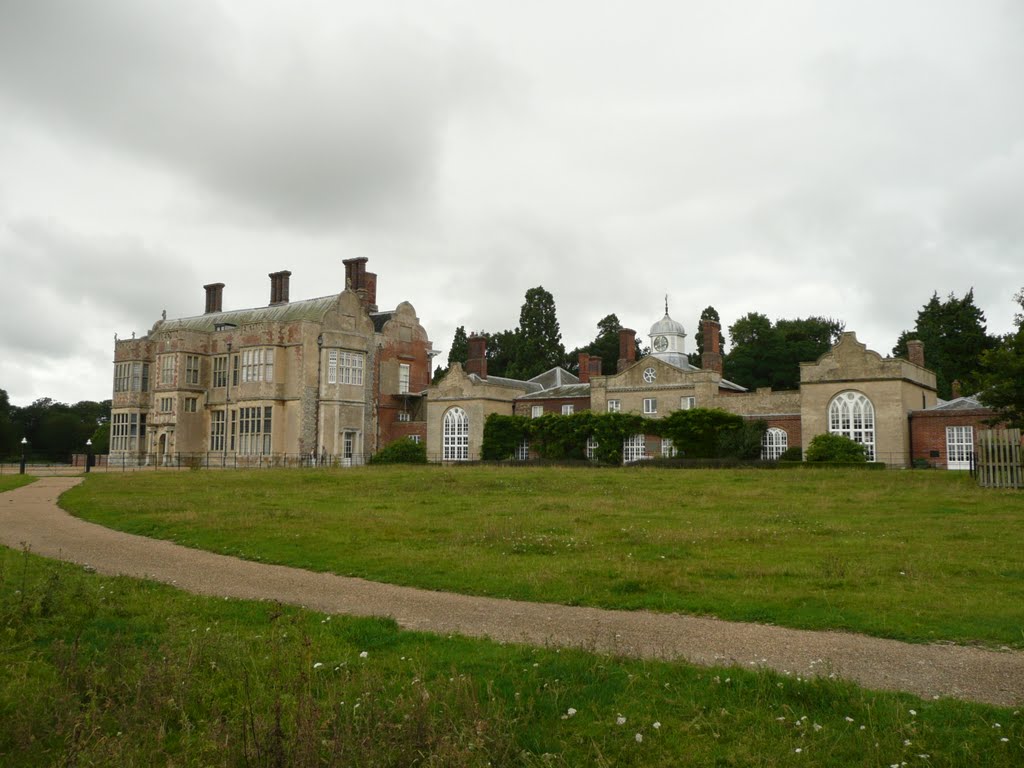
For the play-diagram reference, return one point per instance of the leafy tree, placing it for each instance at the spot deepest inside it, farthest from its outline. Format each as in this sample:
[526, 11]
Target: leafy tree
[605, 345]
[1002, 373]
[835, 448]
[459, 353]
[709, 313]
[767, 355]
[8, 434]
[401, 451]
[955, 338]
[502, 349]
[539, 339]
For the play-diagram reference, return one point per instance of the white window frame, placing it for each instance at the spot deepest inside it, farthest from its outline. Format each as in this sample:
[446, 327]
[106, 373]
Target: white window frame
[190, 405]
[455, 435]
[257, 364]
[403, 378]
[332, 366]
[687, 402]
[166, 405]
[166, 369]
[959, 447]
[192, 369]
[851, 414]
[350, 368]
[218, 422]
[255, 430]
[404, 416]
[614, 406]
[634, 448]
[523, 450]
[220, 371]
[122, 377]
[650, 405]
[568, 409]
[668, 450]
[591, 448]
[536, 411]
[774, 443]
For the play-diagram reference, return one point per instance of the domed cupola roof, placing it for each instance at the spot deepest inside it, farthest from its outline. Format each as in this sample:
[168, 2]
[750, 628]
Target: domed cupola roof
[667, 327]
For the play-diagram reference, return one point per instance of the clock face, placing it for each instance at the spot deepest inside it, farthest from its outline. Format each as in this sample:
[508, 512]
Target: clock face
[660, 343]
[650, 375]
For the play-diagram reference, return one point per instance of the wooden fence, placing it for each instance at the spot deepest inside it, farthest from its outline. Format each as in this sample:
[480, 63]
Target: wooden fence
[998, 459]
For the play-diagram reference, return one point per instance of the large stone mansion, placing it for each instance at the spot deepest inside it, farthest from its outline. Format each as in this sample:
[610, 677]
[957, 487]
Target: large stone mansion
[336, 379]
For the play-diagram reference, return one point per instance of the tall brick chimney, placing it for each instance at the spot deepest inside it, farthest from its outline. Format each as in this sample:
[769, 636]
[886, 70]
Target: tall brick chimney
[711, 358]
[627, 348]
[956, 388]
[214, 296]
[595, 366]
[915, 352]
[584, 359]
[371, 291]
[279, 287]
[477, 359]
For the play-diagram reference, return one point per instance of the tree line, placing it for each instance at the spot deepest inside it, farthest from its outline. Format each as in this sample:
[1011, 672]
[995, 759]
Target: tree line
[766, 353]
[53, 430]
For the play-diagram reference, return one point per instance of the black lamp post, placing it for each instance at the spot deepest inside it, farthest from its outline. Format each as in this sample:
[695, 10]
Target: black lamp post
[24, 446]
[88, 455]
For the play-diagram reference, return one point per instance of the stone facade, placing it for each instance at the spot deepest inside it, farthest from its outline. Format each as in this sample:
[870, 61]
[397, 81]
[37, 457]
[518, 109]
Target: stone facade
[319, 378]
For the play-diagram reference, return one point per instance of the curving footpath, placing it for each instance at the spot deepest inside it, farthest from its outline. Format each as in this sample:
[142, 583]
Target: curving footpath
[29, 516]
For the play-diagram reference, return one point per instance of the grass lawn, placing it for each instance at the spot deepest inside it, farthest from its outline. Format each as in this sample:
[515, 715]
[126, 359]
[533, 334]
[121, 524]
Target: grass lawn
[114, 671]
[10, 482]
[919, 556]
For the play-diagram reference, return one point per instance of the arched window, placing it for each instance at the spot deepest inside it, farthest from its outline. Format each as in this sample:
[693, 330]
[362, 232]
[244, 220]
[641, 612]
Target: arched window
[774, 443]
[456, 435]
[852, 415]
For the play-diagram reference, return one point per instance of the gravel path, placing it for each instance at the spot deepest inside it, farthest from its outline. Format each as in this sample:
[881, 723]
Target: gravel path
[29, 516]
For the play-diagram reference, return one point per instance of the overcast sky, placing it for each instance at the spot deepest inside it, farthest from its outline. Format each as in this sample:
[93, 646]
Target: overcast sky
[844, 159]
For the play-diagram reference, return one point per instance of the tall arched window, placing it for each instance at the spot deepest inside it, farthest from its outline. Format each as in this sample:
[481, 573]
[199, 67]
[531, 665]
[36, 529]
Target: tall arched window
[852, 415]
[456, 435]
[774, 443]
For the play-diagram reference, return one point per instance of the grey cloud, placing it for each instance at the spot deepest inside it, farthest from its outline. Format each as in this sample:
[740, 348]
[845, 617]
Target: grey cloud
[317, 141]
[62, 289]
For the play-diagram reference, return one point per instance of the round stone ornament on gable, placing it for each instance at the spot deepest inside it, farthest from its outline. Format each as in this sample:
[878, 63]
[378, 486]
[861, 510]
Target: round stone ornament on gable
[650, 375]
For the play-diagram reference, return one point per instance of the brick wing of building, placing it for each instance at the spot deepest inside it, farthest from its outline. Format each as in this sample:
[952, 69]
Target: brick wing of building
[889, 405]
[324, 379]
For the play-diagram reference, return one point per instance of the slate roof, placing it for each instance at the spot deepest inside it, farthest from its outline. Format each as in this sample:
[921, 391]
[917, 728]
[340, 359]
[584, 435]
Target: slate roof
[566, 390]
[966, 403]
[307, 309]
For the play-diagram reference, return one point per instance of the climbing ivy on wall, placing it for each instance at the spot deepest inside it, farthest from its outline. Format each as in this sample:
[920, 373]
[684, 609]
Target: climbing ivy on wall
[697, 433]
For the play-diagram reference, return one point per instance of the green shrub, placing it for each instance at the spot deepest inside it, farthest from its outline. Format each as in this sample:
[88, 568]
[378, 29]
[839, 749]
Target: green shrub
[402, 451]
[793, 453]
[837, 449]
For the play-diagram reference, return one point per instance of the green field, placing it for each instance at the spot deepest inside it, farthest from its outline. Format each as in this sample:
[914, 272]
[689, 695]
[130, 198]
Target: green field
[117, 672]
[919, 556]
[10, 482]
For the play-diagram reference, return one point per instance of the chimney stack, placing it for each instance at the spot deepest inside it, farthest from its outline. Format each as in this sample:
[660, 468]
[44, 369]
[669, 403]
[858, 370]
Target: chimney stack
[279, 287]
[955, 387]
[595, 366]
[584, 358]
[477, 358]
[371, 291]
[711, 358]
[362, 282]
[627, 348]
[915, 352]
[214, 296]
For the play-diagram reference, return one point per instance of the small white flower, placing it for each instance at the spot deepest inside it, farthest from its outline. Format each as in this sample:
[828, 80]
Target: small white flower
[818, 727]
[849, 719]
[639, 738]
[620, 720]
[1004, 739]
[863, 727]
[656, 725]
[913, 712]
[363, 655]
[318, 665]
[798, 750]
[570, 711]
[996, 725]
[906, 742]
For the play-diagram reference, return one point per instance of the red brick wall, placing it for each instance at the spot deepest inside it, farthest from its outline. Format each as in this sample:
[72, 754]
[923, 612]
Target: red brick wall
[928, 431]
